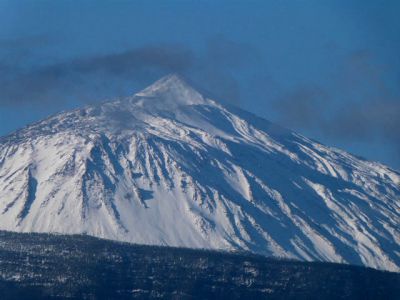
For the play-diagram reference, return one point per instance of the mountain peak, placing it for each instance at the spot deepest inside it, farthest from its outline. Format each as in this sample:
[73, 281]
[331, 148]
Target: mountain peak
[170, 167]
[173, 89]
[173, 79]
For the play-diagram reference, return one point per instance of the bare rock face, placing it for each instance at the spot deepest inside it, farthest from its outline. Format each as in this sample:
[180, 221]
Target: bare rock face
[169, 166]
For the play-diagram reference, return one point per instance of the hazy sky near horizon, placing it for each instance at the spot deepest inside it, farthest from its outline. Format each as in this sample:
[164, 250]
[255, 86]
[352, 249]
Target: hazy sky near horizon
[327, 69]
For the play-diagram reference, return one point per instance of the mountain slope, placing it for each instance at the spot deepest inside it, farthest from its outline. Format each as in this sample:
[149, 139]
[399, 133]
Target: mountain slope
[168, 166]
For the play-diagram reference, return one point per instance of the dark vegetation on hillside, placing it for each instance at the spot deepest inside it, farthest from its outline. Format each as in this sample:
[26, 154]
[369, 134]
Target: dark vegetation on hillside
[43, 266]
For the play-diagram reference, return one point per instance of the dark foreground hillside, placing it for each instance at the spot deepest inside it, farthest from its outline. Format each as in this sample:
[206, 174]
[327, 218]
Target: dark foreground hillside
[42, 266]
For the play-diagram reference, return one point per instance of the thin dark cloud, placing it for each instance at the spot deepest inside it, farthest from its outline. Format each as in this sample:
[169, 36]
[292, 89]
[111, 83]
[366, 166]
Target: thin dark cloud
[115, 74]
[359, 107]
[303, 107]
[81, 76]
[169, 58]
[218, 69]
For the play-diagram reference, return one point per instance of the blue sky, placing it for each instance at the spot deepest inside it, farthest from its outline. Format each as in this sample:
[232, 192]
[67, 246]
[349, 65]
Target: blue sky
[327, 69]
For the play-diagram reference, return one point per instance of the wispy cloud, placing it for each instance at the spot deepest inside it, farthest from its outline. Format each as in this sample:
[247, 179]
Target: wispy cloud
[81, 77]
[113, 74]
[360, 106]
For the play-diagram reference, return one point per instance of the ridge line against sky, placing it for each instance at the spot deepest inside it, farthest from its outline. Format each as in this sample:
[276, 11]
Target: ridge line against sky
[328, 70]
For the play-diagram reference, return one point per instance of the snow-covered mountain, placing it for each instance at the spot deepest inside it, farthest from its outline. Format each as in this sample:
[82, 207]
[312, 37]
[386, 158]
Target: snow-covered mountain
[169, 166]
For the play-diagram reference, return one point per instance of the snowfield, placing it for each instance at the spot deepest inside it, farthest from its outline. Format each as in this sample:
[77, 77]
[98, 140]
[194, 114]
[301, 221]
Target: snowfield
[169, 166]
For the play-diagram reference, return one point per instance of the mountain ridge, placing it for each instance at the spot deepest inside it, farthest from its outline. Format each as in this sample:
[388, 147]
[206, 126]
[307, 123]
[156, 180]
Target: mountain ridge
[168, 166]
